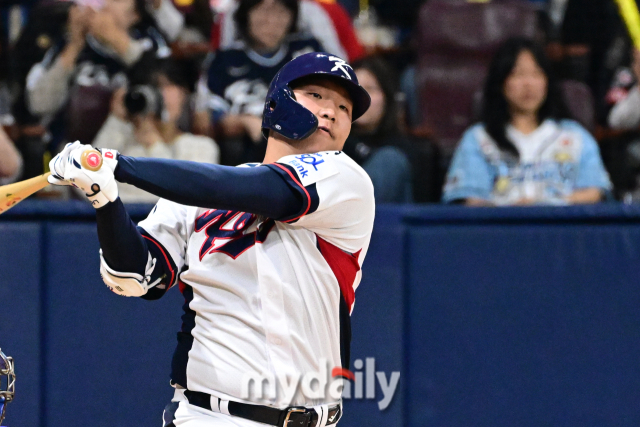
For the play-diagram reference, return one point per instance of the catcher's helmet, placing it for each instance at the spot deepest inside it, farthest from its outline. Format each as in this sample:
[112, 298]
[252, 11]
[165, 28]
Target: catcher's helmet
[283, 114]
[7, 383]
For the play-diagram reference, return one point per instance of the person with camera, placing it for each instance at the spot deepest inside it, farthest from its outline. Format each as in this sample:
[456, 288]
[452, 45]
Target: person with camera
[104, 49]
[147, 121]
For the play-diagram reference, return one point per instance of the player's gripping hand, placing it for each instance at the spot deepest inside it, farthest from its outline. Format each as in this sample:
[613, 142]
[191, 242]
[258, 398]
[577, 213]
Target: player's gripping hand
[99, 186]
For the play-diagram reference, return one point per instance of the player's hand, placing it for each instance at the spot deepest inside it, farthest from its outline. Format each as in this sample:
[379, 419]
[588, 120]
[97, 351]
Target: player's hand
[99, 186]
[58, 163]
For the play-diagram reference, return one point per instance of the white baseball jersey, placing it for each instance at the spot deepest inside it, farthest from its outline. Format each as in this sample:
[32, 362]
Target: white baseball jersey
[265, 297]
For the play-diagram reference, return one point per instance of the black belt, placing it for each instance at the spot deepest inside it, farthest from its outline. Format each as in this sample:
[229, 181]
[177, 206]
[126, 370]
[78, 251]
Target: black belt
[290, 417]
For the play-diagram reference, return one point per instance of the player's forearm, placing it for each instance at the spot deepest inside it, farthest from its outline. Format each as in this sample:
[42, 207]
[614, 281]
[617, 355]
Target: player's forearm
[123, 247]
[257, 190]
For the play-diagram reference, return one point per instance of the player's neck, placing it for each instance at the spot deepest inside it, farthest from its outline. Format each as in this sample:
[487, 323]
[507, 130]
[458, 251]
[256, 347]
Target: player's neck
[279, 147]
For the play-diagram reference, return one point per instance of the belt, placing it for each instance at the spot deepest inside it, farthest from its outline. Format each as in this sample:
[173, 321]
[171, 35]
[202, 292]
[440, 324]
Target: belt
[294, 416]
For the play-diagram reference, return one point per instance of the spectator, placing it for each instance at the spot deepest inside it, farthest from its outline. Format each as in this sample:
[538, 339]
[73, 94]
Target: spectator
[104, 49]
[145, 123]
[621, 144]
[168, 18]
[376, 142]
[239, 76]
[625, 95]
[10, 159]
[326, 20]
[525, 151]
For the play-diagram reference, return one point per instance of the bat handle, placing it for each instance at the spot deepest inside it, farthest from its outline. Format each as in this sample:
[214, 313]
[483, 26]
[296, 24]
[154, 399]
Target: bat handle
[91, 160]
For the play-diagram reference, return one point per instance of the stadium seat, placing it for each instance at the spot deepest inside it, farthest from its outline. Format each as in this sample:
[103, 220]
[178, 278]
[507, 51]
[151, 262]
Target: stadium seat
[456, 40]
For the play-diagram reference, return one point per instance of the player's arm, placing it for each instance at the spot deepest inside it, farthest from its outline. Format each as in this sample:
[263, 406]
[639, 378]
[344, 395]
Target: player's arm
[128, 265]
[259, 190]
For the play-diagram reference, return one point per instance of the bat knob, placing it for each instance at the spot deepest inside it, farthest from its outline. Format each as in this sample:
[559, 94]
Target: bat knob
[91, 160]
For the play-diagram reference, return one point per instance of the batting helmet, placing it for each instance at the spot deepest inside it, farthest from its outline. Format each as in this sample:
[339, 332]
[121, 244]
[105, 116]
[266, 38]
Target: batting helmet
[7, 383]
[283, 114]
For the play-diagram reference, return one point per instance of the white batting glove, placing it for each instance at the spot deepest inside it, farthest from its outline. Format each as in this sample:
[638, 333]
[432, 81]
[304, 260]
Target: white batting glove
[100, 186]
[58, 163]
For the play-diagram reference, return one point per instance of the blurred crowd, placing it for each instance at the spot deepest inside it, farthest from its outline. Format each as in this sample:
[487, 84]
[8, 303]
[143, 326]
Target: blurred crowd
[502, 102]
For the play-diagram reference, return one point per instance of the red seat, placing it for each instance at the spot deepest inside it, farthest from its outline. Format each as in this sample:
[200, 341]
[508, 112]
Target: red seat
[579, 100]
[457, 40]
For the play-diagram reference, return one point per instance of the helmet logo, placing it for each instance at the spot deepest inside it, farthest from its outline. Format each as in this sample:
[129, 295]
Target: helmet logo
[340, 64]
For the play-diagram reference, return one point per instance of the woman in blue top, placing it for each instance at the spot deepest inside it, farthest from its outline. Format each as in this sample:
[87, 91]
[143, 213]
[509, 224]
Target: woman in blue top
[525, 151]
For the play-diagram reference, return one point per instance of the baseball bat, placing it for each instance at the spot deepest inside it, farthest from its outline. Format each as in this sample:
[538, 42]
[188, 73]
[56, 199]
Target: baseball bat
[629, 12]
[12, 194]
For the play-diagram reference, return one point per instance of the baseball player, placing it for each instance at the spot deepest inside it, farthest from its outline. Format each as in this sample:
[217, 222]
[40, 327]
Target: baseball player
[7, 383]
[267, 256]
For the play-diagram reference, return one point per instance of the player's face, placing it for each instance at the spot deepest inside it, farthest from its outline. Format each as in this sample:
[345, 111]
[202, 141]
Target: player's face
[269, 23]
[526, 86]
[371, 119]
[331, 104]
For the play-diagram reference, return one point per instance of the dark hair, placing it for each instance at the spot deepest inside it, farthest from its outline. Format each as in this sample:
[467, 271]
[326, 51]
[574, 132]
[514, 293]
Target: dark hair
[495, 109]
[388, 82]
[179, 73]
[241, 16]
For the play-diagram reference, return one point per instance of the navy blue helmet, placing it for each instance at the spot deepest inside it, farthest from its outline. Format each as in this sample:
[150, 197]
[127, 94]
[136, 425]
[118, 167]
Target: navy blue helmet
[283, 114]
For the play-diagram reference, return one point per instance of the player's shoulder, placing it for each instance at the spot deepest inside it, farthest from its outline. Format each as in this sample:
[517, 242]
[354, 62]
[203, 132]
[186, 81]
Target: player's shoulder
[327, 166]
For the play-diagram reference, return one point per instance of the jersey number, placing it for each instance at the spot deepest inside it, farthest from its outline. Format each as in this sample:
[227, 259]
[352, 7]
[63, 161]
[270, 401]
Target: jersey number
[226, 232]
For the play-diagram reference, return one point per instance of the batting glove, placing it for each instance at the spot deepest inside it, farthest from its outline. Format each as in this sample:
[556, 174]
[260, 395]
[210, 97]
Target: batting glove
[100, 186]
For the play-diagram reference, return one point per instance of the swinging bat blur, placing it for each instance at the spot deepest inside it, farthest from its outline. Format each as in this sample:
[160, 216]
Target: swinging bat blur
[12, 194]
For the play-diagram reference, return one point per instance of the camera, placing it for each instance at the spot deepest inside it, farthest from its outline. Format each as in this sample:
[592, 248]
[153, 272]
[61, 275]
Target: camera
[143, 100]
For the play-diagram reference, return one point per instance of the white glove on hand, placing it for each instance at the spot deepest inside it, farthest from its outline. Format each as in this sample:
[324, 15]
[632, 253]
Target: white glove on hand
[100, 186]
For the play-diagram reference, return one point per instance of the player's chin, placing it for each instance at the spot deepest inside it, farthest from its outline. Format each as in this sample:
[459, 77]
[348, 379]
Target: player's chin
[321, 138]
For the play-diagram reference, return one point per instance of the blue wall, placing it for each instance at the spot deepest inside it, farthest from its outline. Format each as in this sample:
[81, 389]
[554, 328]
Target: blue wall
[495, 317]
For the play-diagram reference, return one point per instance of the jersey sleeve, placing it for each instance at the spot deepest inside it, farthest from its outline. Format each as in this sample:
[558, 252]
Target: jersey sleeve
[591, 170]
[338, 203]
[470, 174]
[166, 231]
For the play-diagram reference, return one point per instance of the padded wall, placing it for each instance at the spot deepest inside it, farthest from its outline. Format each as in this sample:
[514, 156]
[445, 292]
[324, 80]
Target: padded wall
[494, 317]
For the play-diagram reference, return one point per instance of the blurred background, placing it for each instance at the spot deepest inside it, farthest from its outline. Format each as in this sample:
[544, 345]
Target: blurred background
[503, 142]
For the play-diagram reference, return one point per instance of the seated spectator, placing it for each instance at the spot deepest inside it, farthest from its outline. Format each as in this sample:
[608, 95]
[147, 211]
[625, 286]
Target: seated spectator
[145, 123]
[10, 159]
[326, 20]
[104, 50]
[525, 151]
[239, 75]
[376, 142]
